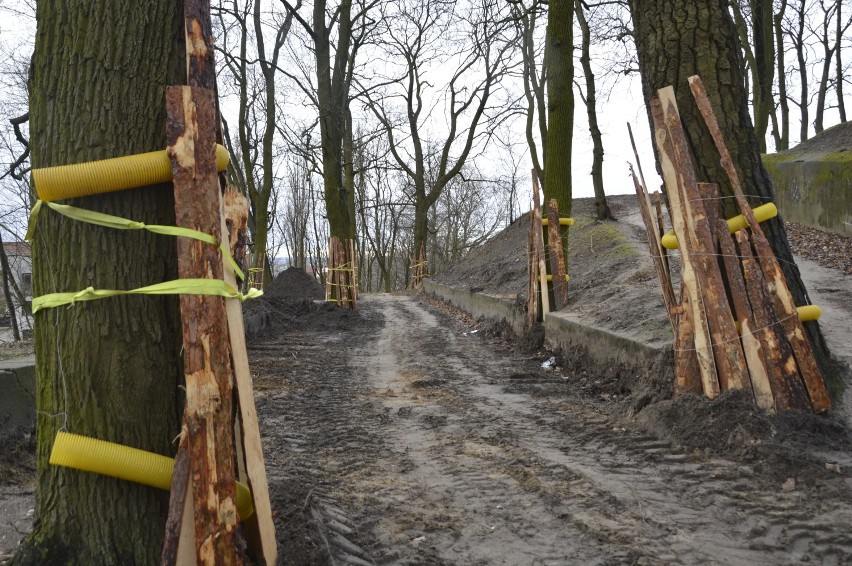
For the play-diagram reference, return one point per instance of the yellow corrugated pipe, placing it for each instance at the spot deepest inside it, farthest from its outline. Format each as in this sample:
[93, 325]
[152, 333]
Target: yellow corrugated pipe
[762, 213]
[806, 313]
[109, 175]
[126, 463]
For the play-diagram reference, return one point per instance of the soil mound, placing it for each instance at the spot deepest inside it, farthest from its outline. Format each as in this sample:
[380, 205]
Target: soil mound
[837, 138]
[294, 283]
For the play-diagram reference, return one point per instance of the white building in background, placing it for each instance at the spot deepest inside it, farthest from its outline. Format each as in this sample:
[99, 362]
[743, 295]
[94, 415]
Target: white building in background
[21, 268]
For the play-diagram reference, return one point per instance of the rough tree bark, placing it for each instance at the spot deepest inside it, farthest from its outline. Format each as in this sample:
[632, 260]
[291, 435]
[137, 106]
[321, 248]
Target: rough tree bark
[108, 369]
[679, 38]
[559, 60]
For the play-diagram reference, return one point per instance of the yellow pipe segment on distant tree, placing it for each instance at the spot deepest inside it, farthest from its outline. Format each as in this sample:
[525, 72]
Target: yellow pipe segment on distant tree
[109, 175]
[550, 277]
[763, 213]
[563, 221]
[126, 463]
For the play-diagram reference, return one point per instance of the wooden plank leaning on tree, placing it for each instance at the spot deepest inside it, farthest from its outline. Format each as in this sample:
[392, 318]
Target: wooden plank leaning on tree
[742, 310]
[727, 351]
[539, 236]
[557, 255]
[532, 267]
[672, 177]
[773, 275]
[787, 388]
[655, 248]
[208, 416]
[259, 528]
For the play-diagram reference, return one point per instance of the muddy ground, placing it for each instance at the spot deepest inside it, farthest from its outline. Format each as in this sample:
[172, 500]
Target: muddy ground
[416, 437]
[408, 433]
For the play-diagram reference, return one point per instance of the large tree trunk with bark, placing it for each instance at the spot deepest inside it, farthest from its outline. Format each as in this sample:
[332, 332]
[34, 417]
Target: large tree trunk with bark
[108, 369]
[559, 59]
[676, 39]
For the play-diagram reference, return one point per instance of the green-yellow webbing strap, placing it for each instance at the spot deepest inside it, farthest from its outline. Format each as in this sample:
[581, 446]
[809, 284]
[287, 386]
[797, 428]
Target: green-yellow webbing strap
[110, 221]
[215, 287]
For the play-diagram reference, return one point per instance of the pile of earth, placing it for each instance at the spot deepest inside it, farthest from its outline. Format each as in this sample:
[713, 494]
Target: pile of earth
[835, 139]
[294, 283]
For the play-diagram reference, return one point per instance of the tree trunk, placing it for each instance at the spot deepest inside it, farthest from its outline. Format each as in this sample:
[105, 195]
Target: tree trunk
[799, 45]
[7, 293]
[333, 99]
[590, 100]
[764, 66]
[559, 60]
[679, 38]
[109, 369]
[839, 75]
[782, 135]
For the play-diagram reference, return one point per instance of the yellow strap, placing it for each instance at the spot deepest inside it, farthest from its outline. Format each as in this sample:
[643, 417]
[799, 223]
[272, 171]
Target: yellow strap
[215, 287]
[118, 223]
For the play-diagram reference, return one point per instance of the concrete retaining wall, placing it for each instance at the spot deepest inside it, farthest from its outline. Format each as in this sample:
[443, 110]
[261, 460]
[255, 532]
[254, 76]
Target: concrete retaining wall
[617, 356]
[492, 309]
[814, 189]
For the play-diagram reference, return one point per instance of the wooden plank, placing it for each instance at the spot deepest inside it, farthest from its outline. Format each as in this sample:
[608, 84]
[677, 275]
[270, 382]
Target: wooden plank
[661, 226]
[260, 528]
[532, 266]
[687, 372]
[655, 249]
[752, 347]
[730, 360]
[671, 176]
[179, 549]
[190, 133]
[772, 273]
[557, 255]
[787, 387]
[539, 235]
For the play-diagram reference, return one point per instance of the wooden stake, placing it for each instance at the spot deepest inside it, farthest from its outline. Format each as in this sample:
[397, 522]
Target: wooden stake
[259, 528]
[655, 248]
[783, 300]
[557, 255]
[787, 388]
[672, 177]
[686, 368]
[532, 266]
[539, 235]
[190, 132]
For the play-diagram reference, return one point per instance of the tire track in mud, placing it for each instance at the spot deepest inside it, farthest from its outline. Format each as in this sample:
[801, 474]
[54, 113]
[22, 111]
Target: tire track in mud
[403, 441]
[505, 473]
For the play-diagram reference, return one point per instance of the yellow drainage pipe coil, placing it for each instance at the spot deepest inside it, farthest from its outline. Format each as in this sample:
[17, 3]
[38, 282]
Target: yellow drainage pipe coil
[126, 463]
[763, 213]
[109, 175]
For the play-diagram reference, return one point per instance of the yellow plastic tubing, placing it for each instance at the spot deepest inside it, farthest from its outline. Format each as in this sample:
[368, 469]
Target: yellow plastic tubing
[762, 213]
[126, 463]
[563, 221]
[806, 313]
[109, 175]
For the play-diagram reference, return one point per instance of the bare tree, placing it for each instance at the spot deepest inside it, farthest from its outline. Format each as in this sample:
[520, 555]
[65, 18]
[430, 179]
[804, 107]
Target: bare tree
[426, 38]
[589, 99]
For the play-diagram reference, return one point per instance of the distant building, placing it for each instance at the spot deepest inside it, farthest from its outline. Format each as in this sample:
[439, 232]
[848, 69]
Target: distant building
[21, 268]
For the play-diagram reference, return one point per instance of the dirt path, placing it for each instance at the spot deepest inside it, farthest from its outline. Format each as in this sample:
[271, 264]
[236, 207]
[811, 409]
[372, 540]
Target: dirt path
[411, 440]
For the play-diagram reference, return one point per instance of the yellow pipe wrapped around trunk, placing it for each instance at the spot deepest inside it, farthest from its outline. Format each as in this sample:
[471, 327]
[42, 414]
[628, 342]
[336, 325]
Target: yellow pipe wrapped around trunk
[126, 463]
[762, 213]
[109, 175]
